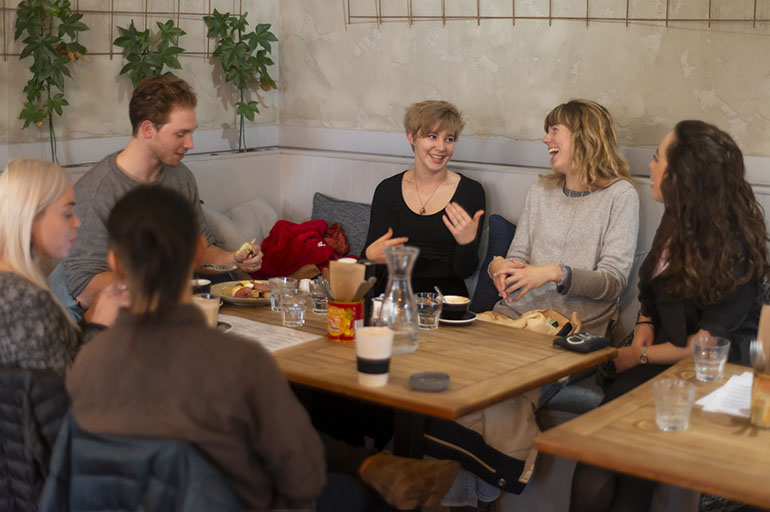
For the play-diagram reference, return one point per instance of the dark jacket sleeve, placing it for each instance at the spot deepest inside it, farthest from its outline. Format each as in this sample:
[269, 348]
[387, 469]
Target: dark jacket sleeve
[736, 318]
[472, 199]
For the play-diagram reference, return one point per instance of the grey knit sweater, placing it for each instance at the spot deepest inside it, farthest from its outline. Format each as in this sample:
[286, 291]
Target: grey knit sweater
[95, 195]
[595, 235]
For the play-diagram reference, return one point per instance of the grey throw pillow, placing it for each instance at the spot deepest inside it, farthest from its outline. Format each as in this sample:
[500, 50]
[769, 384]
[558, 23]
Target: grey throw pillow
[353, 217]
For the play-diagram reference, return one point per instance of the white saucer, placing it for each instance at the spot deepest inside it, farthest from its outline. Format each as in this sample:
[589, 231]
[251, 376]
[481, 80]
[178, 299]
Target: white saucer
[467, 319]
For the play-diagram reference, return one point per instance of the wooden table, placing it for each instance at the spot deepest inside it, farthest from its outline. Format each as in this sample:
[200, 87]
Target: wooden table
[717, 454]
[486, 362]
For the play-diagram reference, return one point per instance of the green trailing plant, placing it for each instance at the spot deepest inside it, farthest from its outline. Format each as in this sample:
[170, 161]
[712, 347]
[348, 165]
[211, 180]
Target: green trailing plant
[245, 57]
[49, 30]
[147, 56]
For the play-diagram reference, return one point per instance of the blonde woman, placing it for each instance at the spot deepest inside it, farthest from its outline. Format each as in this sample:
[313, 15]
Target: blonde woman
[36, 205]
[572, 252]
[575, 241]
[428, 206]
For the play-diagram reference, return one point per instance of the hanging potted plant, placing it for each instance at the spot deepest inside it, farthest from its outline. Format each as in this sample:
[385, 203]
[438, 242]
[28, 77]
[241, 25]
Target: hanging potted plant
[49, 30]
[147, 57]
[245, 57]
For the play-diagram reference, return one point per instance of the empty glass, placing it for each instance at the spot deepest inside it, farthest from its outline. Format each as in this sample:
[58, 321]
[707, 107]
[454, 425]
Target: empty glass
[673, 403]
[276, 285]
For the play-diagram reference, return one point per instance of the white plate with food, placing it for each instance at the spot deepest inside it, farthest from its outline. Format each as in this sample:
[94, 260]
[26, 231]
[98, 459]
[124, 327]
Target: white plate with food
[243, 293]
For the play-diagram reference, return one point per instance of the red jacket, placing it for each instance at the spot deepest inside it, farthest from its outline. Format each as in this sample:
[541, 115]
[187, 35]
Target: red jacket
[290, 246]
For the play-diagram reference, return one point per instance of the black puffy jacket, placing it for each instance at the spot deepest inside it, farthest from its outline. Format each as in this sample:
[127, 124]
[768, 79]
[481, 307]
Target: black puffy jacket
[98, 472]
[32, 406]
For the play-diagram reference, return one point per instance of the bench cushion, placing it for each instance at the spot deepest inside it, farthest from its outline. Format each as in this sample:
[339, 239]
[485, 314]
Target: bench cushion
[501, 233]
[353, 217]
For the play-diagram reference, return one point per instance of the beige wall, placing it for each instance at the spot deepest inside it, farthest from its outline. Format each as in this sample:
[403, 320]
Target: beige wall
[99, 96]
[506, 78]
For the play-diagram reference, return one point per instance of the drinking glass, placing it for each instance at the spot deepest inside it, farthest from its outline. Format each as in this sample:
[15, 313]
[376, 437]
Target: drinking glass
[276, 285]
[428, 310]
[710, 355]
[293, 303]
[318, 289]
[673, 403]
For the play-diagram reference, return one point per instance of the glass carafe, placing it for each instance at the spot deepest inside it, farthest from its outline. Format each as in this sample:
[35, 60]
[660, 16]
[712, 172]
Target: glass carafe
[399, 309]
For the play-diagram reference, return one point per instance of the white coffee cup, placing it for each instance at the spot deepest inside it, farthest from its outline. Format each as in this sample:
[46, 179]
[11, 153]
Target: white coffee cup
[374, 346]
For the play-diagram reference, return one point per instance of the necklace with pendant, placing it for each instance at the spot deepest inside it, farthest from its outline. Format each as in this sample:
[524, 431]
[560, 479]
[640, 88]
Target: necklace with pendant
[417, 187]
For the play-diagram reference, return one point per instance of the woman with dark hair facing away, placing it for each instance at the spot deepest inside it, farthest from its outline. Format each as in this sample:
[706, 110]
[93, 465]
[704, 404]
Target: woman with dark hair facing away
[38, 221]
[701, 277]
[428, 206]
[575, 241]
[174, 377]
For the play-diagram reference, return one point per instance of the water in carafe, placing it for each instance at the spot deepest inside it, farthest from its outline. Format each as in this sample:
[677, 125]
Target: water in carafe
[399, 308]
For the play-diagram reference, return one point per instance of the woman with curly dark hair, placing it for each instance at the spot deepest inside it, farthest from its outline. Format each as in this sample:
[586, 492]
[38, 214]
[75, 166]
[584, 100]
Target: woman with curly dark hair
[701, 277]
[708, 257]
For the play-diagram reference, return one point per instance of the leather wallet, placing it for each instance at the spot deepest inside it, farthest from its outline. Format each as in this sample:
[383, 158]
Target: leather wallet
[581, 342]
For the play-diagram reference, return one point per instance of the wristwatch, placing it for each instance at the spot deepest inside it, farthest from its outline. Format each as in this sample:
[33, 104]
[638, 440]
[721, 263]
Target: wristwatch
[643, 358]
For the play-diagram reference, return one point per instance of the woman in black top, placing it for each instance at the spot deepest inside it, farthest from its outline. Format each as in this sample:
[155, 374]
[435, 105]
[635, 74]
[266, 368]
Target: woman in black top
[701, 277]
[428, 206]
[708, 258]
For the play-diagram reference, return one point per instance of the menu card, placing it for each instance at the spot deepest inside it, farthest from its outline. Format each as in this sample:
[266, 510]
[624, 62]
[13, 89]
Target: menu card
[272, 337]
[734, 398]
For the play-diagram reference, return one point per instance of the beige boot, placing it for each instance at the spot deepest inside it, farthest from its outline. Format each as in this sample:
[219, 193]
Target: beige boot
[409, 483]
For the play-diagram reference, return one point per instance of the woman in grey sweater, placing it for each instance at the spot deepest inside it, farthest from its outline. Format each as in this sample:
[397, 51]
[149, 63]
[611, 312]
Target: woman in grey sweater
[576, 237]
[573, 251]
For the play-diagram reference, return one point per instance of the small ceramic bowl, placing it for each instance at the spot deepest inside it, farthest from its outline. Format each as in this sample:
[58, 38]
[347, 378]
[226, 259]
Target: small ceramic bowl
[201, 286]
[455, 307]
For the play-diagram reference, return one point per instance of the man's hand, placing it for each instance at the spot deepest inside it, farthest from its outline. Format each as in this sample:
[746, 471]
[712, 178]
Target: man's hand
[249, 259]
[215, 255]
[89, 294]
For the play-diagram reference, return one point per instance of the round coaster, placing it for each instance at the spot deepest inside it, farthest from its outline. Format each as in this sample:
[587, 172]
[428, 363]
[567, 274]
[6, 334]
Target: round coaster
[432, 382]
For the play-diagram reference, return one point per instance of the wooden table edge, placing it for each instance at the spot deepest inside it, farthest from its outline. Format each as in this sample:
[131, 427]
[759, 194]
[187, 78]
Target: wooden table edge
[566, 447]
[438, 409]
